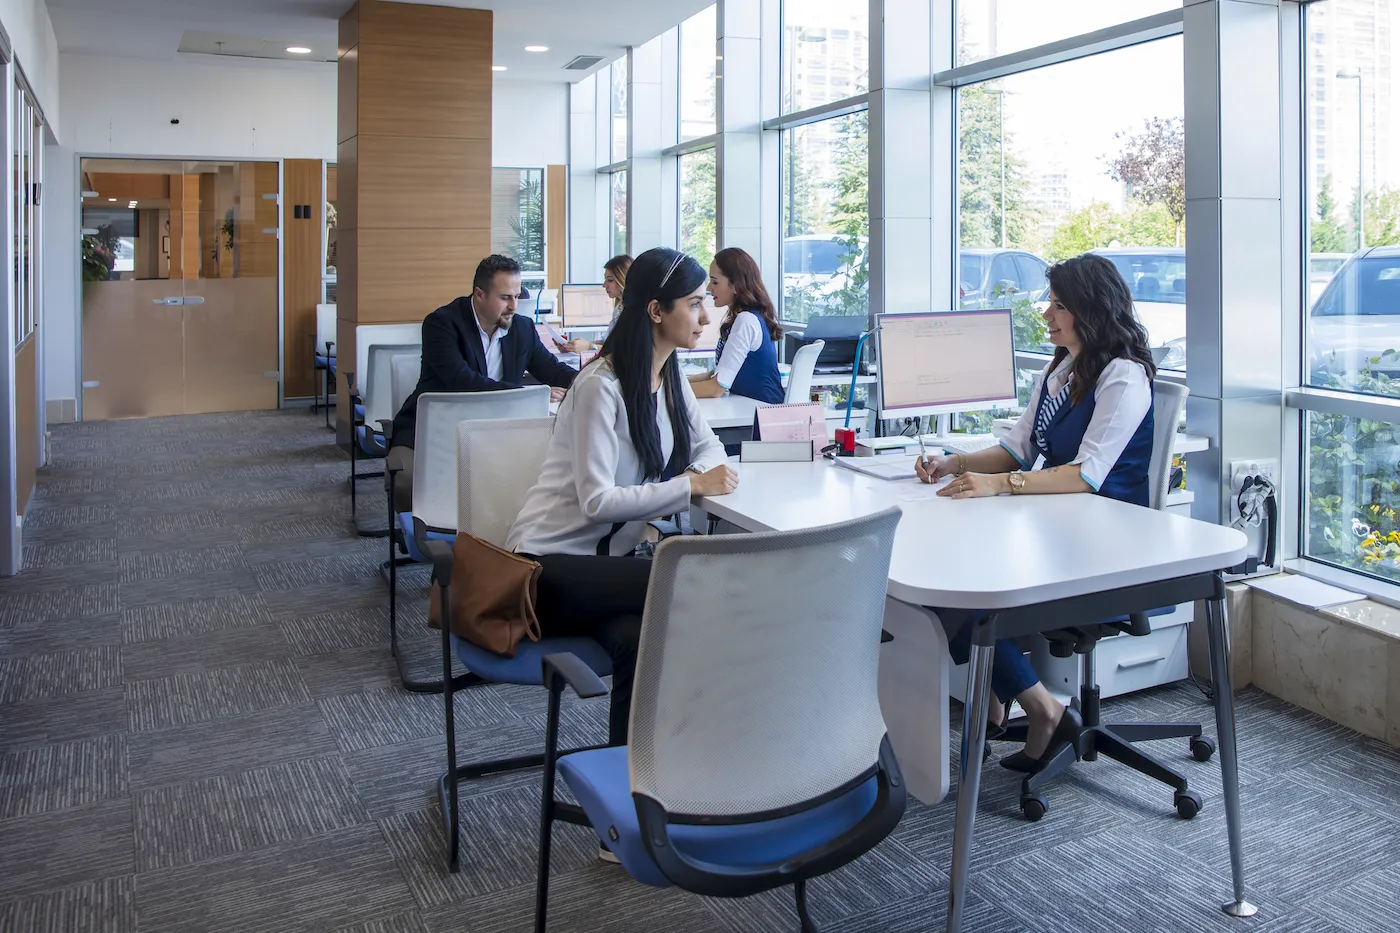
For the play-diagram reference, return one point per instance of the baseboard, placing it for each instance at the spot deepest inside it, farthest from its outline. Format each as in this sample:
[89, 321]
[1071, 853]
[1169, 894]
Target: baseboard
[61, 410]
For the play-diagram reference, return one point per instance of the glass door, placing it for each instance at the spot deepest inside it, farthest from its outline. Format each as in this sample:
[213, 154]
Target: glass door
[180, 263]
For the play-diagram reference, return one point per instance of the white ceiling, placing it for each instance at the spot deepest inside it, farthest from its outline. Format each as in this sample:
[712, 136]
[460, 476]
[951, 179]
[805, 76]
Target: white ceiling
[153, 29]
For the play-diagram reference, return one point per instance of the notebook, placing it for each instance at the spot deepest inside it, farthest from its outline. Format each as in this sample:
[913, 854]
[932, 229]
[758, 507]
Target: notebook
[881, 467]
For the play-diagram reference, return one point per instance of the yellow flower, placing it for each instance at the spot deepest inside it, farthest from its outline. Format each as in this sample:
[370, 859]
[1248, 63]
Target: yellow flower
[1375, 510]
[1372, 558]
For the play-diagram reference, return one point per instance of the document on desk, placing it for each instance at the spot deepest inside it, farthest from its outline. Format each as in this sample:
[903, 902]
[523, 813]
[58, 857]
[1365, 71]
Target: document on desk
[889, 467]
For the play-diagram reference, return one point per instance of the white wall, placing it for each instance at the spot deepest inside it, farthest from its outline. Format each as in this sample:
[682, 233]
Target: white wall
[31, 33]
[231, 109]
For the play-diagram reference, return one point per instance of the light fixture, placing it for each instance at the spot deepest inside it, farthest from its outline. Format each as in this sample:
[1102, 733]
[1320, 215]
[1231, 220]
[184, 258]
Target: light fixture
[131, 204]
[537, 48]
[298, 50]
[498, 67]
[111, 199]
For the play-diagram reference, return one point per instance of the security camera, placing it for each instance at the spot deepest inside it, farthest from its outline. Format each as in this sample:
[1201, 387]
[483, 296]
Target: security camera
[175, 121]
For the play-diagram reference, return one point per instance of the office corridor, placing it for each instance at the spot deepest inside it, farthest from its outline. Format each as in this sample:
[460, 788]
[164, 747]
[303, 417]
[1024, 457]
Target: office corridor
[201, 729]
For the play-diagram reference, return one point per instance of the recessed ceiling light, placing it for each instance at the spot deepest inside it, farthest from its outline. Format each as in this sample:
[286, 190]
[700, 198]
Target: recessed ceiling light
[111, 199]
[498, 67]
[537, 48]
[131, 204]
[298, 50]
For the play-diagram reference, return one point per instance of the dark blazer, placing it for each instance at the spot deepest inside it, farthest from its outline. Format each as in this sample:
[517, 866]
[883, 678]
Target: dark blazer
[453, 361]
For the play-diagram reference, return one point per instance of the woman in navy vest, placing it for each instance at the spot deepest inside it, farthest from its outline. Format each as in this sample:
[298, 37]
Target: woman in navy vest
[747, 354]
[1090, 420]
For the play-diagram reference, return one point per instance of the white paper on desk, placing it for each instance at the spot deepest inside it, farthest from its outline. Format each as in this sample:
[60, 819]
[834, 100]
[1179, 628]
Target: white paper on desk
[800, 422]
[890, 467]
[916, 491]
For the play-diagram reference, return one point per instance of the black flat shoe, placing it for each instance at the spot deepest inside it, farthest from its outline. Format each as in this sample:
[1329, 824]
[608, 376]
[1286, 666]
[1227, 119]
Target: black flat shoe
[1066, 732]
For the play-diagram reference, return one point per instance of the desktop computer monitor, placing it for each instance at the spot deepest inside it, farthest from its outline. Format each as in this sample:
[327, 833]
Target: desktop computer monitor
[584, 306]
[936, 364]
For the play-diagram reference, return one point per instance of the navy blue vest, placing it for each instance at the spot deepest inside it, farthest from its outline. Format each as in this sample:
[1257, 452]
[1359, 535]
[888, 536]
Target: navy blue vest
[1059, 444]
[758, 377]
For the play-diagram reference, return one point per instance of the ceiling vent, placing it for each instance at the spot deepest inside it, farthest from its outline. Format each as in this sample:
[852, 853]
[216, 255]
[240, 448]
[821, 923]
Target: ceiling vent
[583, 62]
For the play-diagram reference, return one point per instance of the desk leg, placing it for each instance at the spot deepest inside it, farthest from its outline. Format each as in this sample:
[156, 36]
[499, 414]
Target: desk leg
[979, 687]
[1219, 634]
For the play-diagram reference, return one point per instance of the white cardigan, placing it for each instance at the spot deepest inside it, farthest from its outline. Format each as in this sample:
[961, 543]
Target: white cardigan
[590, 497]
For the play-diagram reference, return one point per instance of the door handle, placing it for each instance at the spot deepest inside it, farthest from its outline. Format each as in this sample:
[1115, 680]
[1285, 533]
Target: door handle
[194, 299]
[168, 301]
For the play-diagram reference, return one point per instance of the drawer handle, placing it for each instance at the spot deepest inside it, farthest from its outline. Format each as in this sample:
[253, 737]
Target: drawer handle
[1140, 662]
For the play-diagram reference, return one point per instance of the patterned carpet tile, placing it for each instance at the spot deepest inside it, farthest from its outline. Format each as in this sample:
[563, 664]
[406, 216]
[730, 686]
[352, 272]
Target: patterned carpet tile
[104, 906]
[199, 653]
[331, 632]
[61, 776]
[193, 617]
[50, 719]
[51, 851]
[57, 636]
[185, 562]
[227, 746]
[217, 694]
[391, 717]
[73, 601]
[69, 554]
[179, 824]
[62, 672]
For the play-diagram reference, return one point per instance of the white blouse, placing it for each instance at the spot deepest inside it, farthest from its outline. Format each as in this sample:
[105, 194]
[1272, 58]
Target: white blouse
[1121, 400]
[592, 477]
[745, 336]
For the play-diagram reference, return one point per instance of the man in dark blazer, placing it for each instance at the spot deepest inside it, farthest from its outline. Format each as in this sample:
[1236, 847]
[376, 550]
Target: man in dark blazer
[475, 344]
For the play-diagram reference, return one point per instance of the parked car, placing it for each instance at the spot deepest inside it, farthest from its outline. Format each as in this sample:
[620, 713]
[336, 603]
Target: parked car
[819, 267]
[1321, 268]
[1357, 318]
[1156, 276]
[994, 278]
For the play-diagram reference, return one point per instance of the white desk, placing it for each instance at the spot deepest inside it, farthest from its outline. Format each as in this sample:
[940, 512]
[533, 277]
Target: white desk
[729, 411]
[1003, 554]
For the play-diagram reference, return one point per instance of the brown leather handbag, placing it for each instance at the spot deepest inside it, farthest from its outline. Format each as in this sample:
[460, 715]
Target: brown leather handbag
[492, 598]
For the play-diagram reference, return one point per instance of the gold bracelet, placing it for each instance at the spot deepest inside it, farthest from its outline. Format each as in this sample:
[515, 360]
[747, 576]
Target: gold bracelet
[962, 465]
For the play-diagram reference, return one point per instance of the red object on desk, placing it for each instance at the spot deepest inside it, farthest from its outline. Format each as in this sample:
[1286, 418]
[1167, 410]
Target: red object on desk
[846, 442]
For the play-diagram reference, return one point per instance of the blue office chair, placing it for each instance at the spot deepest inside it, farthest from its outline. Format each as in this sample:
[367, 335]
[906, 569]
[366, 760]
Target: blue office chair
[758, 756]
[1115, 740]
[498, 462]
[323, 358]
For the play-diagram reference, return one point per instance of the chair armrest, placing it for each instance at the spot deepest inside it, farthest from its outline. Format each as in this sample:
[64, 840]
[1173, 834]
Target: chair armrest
[574, 672]
[440, 555]
[394, 462]
[386, 427]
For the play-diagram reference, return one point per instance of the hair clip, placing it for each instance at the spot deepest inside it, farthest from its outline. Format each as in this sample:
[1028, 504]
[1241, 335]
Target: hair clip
[680, 257]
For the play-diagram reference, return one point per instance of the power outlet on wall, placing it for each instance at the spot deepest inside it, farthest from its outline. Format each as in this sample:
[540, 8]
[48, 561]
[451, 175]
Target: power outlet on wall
[1239, 469]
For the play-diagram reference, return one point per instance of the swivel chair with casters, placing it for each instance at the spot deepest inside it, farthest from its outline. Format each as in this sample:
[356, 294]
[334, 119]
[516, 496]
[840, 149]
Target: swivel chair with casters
[1116, 739]
[434, 513]
[758, 757]
[498, 462]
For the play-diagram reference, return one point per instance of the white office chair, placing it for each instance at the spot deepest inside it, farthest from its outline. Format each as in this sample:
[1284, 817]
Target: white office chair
[434, 513]
[1116, 739]
[804, 361]
[379, 392]
[497, 463]
[323, 355]
[758, 756]
[367, 442]
[369, 335]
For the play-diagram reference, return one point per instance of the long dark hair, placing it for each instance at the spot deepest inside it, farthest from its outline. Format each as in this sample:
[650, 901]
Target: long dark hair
[749, 294]
[664, 275]
[1093, 290]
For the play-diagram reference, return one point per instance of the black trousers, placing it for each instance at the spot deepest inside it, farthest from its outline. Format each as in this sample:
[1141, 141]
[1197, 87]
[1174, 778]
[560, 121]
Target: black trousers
[601, 598]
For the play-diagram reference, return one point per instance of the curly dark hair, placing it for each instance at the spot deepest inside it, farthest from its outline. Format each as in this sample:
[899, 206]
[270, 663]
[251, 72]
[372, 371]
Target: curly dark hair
[1092, 289]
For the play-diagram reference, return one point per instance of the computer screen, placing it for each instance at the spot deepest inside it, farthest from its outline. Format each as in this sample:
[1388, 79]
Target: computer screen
[584, 306]
[933, 364]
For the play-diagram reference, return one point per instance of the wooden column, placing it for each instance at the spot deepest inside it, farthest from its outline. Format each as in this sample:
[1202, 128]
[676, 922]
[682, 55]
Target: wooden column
[301, 271]
[414, 164]
[556, 224]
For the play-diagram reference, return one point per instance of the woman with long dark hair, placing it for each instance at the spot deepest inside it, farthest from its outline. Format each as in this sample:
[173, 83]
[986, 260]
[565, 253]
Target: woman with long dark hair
[746, 359]
[629, 446]
[1090, 418]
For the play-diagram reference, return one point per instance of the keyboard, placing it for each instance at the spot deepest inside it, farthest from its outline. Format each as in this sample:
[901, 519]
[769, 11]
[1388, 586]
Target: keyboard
[961, 443]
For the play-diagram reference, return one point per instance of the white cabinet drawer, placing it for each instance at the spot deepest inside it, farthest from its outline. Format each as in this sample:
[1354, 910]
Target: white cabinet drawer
[1126, 664]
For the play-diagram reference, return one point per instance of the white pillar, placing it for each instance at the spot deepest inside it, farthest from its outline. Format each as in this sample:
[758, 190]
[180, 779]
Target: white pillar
[584, 181]
[739, 157]
[644, 144]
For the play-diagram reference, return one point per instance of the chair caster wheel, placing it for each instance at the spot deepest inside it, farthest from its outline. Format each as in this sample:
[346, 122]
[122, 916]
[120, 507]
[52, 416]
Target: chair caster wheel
[1188, 804]
[1202, 747]
[1033, 806]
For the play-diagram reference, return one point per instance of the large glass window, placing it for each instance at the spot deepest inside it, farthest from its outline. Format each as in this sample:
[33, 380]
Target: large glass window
[1353, 484]
[697, 75]
[517, 219]
[988, 28]
[826, 218]
[1352, 325]
[619, 212]
[1037, 184]
[825, 52]
[27, 147]
[617, 76]
[697, 207]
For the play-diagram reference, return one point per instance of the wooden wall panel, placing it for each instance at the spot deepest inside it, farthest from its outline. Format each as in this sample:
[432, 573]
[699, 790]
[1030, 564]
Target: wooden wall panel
[331, 178]
[26, 421]
[301, 276]
[405, 274]
[556, 227]
[184, 227]
[423, 183]
[416, 92]
[129, 187]
[347, 189]
[347, 95]
[467, 32]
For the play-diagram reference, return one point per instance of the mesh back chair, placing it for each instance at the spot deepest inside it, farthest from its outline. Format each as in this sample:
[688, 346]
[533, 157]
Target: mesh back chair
[378, 395]
[368, 336]
[1116, 739]
[497, 463]
[323, 357]
[758, 757]
[804, 361]
[434, 514]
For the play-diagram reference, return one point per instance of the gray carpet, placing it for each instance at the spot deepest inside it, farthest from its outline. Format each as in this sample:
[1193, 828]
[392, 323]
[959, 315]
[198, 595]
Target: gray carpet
[200, 729]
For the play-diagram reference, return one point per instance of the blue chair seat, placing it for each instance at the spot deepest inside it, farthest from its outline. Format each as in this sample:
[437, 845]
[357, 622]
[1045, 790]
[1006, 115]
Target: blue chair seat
[406, 526]
[360, 412]
[322, 361]
[525, 667]
[599, 779]
[371, 442]
[332, 366]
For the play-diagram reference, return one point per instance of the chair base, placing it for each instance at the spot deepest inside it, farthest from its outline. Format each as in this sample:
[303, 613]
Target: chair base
[1115, 740]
